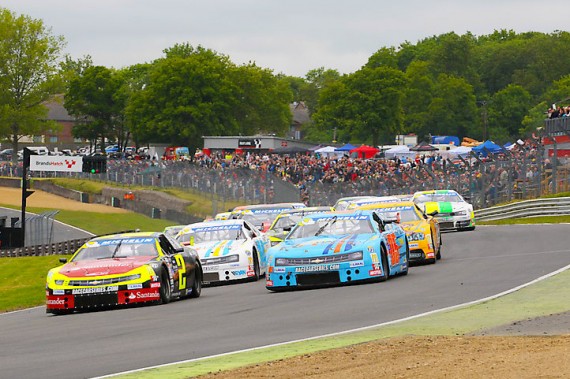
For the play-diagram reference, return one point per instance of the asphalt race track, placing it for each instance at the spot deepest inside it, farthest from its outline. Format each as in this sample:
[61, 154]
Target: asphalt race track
[475, 265]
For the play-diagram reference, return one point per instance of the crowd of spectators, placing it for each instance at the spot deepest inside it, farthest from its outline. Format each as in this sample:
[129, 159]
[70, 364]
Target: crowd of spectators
[558, 111]
[321, 180]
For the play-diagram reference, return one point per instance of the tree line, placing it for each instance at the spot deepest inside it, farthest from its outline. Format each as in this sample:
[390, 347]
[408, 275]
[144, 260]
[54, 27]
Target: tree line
[495, 86]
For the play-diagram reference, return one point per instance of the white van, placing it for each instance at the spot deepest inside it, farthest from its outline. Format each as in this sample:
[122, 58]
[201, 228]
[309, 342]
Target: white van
[40, 150]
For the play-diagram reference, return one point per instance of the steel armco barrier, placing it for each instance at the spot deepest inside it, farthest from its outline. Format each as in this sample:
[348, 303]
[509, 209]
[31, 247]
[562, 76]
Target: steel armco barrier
[557, 206]
[58, 248]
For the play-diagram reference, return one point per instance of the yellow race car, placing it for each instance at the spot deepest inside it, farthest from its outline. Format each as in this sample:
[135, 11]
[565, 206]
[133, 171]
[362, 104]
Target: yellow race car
[422, 230]
[123, 269]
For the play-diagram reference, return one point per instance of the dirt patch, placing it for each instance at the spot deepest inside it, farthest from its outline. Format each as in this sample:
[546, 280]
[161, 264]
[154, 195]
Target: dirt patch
[426, 357]
[41, 199]
[531, 348]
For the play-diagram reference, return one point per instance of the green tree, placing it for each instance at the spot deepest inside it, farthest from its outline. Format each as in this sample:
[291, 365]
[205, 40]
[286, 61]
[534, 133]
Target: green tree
[29, 77]
[95, 98]
[368, 106]
[418, 95]
[453, 110]
[507, 109]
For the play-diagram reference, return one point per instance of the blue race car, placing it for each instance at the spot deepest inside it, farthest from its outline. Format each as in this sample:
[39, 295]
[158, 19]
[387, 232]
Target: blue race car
[338, 248]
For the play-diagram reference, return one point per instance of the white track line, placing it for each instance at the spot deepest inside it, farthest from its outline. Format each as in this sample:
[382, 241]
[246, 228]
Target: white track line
[346, 331]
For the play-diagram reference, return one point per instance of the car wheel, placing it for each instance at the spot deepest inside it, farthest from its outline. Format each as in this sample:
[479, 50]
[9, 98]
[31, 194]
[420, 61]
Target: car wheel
[385, 267]
[256, 268]
[197, 285]
[165, 290]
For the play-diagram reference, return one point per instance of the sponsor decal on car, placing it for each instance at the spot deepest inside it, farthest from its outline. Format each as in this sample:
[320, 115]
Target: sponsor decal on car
[210, 268]
[330, 267]
[269, 283]
[239, 272]
[81, 291]
[375, 272]
[59, 292]
[357, 264]
[134, 286]
[155, 285]
[57, 301]
[250, 273]
[279, 269]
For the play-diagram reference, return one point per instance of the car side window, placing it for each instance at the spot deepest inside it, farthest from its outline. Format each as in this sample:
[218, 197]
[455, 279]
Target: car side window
[378, 220]
[166, 246]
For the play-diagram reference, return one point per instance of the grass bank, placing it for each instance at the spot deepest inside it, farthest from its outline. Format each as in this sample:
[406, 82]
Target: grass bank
[202, 204]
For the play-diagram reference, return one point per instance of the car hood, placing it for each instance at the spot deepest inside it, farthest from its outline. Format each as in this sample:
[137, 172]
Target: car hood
[325, 245]
[101, 267]
[444, 207]
[414, 226]
[219, 248]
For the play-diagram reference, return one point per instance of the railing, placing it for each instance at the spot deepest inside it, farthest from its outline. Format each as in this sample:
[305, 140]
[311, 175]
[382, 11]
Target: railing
[529, 208]
[58, 248]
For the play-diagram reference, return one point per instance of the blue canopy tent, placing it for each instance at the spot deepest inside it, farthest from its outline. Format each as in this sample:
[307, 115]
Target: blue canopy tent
[487, 146]
[346, 148]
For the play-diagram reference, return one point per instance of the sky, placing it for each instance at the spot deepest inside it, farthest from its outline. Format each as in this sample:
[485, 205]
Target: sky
[289, 37]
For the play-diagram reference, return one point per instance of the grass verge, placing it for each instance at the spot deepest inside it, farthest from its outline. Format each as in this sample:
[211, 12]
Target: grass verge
[22, 281]
[528, 220]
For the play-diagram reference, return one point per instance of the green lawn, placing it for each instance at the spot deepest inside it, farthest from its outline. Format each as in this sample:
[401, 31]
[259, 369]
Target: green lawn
[23, 280]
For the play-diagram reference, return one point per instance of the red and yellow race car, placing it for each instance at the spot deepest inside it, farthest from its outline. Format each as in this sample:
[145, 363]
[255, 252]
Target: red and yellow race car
[123, 269]
[423, 231]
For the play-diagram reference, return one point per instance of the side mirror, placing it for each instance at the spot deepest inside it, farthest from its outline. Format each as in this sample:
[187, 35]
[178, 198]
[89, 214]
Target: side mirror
[433, 213]
[62, 260]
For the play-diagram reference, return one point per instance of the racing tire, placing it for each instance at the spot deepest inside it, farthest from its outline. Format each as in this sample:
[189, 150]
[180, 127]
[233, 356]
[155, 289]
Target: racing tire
[385, 267]
[61, 312]
[256, 269]
[165, 290]
[197, 285]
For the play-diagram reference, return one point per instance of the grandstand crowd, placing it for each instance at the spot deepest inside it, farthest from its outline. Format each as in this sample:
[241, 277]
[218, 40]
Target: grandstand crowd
[319, 179]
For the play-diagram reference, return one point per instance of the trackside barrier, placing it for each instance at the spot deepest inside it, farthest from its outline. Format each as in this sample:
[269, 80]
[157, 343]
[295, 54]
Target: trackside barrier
[558, 206]
[58, 248]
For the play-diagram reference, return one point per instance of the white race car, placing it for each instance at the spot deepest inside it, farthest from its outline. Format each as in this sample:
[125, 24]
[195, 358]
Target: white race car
[229, 250]
[448, 207]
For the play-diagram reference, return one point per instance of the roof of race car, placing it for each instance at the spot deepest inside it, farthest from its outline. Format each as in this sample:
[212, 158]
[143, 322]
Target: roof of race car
[214, 224]
[429, 192]
[394, 205]
[269, 206]
[306, 210]
[127, 235]
[347, 214]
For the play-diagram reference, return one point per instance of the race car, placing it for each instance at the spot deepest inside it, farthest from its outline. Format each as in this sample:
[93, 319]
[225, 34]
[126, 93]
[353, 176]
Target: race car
[229, 250]
[286, 220]
[356, 204]
[338, 248]
[449, 208]
[424, 236]
[173, 230]
[262, 215]
[123, 269]
[343, 203]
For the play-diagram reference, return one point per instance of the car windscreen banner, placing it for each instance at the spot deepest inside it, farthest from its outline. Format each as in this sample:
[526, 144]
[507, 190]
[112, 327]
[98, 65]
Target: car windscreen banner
[53, 163]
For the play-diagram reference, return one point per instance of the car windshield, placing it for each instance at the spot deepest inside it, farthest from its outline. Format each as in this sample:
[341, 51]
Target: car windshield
[407, 214]
[287, 222]
[438, 197]
[331, 225]
[259, 219]
[117, 248]
[212, 234]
